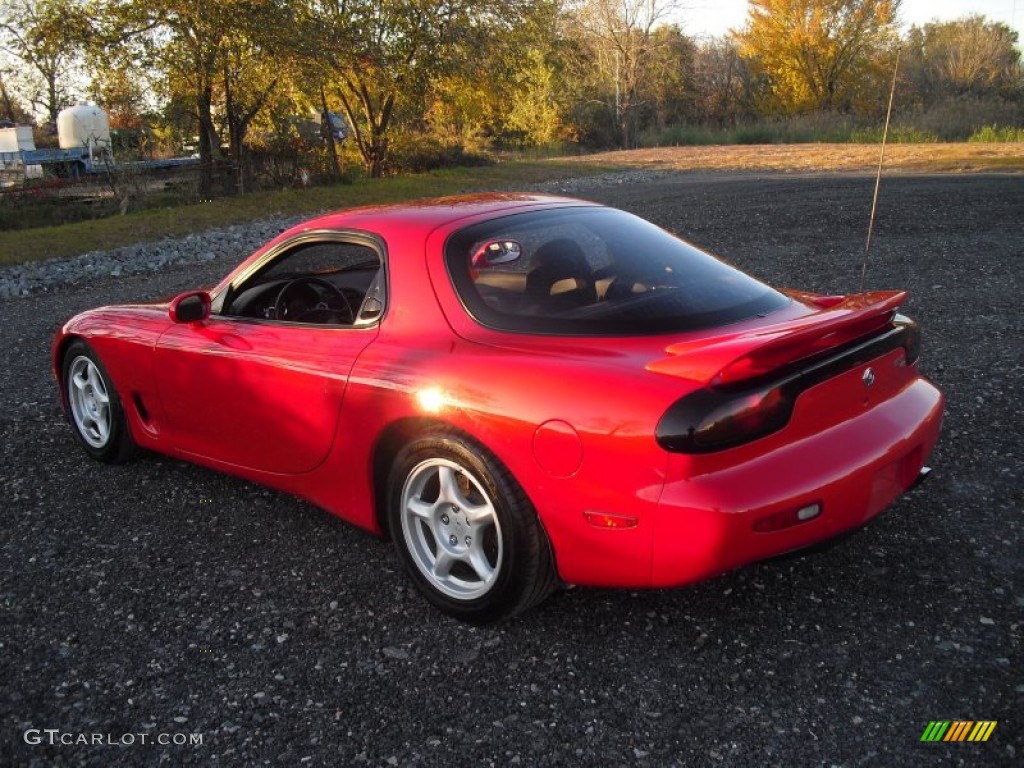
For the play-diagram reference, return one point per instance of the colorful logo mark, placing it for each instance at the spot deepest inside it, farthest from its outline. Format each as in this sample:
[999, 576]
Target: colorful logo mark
[958, 730]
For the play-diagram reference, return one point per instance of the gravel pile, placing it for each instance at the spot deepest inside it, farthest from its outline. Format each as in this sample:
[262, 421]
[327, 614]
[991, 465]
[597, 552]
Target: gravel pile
[228, 245]
[603, 181]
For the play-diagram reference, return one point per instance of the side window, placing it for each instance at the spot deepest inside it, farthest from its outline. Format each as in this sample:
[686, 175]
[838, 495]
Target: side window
[324, 282]
[323, 258]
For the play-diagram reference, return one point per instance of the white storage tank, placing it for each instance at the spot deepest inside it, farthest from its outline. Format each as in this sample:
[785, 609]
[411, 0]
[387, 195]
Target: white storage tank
[17, 139]
[83, 126]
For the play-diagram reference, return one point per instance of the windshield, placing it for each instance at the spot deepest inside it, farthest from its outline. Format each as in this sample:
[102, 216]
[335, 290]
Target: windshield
[593, 272]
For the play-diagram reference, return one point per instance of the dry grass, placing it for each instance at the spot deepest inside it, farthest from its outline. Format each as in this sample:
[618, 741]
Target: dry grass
[807, 158]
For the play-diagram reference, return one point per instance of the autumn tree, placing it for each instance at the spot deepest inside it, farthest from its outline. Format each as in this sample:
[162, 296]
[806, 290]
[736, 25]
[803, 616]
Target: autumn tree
[180, 42]
[968, 56]
[722, 84]
[510, 88]
[122, 94]
[46, 37]
[539, 105]
[667, 85]
[383, 56]
[815, 53]
[618, 39]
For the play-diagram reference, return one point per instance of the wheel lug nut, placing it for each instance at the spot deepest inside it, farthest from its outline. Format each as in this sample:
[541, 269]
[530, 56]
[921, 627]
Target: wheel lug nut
[445, 520]
[468, 541]
[453, 540]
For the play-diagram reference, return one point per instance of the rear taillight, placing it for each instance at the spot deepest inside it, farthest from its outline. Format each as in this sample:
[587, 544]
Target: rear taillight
[711, 420]
[911, 337]
[729, 412]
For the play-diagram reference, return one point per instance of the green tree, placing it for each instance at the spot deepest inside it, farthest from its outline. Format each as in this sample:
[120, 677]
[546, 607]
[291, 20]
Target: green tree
[46, 36]
[254, 56]
[815, 54]
[217, 56]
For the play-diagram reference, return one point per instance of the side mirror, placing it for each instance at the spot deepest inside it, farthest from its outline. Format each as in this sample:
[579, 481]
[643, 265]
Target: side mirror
[496, 252]
[190, 307]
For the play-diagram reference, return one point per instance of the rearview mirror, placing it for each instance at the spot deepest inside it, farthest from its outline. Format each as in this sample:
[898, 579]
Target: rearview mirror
[190, 307]
[495, 252]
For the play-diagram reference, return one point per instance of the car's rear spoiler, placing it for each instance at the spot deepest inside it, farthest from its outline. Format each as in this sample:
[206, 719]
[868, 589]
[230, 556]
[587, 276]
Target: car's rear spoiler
[750, 355]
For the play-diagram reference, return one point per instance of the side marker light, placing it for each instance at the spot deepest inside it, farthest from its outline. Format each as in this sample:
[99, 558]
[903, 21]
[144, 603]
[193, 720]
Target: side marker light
[608, 520]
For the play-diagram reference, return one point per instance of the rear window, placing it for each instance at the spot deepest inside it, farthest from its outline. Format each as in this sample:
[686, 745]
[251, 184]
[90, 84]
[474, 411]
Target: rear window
[595, 272]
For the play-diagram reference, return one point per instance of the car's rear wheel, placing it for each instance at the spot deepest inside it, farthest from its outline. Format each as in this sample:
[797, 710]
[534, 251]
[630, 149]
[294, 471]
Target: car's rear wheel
[94, 409]
[465, 531]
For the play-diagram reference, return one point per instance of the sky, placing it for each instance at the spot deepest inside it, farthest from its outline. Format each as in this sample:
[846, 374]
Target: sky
[716, 17]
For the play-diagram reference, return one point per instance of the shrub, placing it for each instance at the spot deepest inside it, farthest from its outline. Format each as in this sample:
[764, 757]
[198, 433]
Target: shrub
[40, 203]
[755, 134]
[994, 134]
[958, 119]
[679, 135]
[799, 129]
[898, 134]
[419, 153]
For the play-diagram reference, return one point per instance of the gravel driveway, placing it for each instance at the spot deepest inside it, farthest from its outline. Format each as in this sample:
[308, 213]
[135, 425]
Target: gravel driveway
[161, 599]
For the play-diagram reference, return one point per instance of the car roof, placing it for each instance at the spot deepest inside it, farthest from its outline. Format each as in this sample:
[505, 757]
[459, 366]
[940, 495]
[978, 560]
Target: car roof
[427, 215]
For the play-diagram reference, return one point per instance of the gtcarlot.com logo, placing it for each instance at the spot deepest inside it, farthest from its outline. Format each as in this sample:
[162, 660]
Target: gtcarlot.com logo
[57, 737]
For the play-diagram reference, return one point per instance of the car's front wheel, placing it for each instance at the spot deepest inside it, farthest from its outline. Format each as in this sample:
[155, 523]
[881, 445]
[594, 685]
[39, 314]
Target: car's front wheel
[94, 409]
[465, 531]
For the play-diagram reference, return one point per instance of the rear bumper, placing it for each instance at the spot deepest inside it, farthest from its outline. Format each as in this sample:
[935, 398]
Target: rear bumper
[705, 524]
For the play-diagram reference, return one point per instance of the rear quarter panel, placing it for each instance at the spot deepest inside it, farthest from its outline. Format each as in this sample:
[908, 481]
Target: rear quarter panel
[607, 461]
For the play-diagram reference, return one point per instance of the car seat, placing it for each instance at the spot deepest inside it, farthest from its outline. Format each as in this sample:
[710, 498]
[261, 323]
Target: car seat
[560, 277]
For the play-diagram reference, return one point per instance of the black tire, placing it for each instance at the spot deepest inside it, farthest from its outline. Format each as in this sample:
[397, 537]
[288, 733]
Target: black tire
[114, 444]
[514, 546]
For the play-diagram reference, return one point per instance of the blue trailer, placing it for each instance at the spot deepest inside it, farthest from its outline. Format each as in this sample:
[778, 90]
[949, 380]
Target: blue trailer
[66, 163]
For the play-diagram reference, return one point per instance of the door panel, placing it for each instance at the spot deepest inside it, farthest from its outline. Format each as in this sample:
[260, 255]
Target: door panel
[256, 394]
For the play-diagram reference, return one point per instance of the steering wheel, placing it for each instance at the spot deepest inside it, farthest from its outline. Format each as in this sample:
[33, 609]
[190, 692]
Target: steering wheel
[325, 307]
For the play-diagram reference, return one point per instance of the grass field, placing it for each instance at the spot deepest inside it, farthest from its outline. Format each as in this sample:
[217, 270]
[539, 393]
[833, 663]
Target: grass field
[821, 158]
[100, 234]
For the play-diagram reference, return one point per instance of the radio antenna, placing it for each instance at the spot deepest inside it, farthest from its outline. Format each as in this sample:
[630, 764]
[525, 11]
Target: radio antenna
[878, 177]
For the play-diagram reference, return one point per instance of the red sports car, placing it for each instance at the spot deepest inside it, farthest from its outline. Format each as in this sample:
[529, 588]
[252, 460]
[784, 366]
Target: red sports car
[522, 391]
